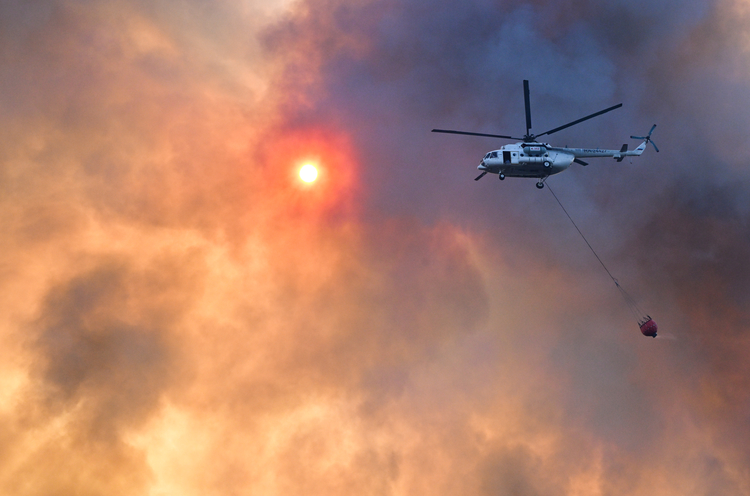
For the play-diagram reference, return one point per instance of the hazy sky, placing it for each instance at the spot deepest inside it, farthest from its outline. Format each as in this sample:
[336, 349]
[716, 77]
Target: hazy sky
[182, 315]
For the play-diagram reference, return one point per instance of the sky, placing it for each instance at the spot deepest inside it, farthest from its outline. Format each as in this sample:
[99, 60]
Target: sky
[183, 315]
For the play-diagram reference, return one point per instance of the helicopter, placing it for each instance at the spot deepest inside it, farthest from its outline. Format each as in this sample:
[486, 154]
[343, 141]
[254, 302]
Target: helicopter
[531, 158]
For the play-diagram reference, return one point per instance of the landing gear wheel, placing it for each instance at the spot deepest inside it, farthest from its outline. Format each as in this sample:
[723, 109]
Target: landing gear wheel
[540, 185]
[502, 176]
[547, 164]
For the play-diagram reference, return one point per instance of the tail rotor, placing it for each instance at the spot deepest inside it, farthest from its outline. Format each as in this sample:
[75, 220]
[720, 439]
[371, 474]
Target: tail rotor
[647, 138]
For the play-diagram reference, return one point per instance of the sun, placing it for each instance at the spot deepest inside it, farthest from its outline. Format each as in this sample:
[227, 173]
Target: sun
[308, 173]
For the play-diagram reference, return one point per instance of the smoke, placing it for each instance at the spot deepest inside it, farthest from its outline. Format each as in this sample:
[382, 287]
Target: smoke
[183, 315]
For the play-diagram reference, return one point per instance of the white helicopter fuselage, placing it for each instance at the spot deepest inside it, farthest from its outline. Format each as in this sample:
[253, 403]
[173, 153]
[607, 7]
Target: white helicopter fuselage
[540, 160]
[531, 158]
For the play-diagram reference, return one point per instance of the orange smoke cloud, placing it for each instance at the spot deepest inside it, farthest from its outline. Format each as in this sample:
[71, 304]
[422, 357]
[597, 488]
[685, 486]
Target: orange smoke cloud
[182, 315]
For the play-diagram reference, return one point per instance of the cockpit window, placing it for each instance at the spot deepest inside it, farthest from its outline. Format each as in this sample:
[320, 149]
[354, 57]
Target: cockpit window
[493, 155]
[488, 155]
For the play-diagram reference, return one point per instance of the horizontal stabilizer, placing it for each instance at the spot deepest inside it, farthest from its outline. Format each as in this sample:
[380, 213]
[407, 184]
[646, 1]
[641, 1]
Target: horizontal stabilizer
[622, 150]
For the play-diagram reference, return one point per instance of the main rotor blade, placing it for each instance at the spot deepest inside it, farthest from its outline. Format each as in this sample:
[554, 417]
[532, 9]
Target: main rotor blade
[527, 104]
[448, 131]
[580, 120]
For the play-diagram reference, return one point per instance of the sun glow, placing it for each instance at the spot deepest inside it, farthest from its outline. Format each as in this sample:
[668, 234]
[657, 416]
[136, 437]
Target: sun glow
[308, 173]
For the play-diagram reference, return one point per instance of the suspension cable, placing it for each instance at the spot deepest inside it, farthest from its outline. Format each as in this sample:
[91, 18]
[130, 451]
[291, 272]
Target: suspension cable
[582, 236]
[637, 312]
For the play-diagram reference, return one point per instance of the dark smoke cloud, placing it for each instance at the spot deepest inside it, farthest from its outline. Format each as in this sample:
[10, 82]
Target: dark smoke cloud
[183, 317]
